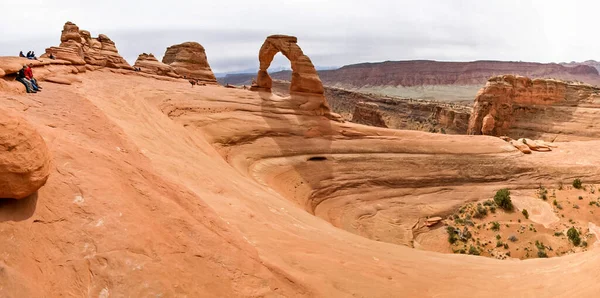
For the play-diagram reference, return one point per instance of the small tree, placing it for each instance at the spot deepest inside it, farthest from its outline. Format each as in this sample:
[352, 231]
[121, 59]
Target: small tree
[525, 213]
[573, 235]
[577, 183]
[502, 199]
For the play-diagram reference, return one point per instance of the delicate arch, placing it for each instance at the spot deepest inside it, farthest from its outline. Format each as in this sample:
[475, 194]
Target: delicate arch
[304, 75]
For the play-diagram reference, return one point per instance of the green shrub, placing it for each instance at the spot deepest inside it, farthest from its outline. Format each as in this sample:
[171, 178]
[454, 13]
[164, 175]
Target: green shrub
[495, 226]
[542, 254]
[525, 213]
[573, 235]
[480, 212]
[499, 243]
[474, 251]
[543, 193]
[513, 238]
[580, 197]
[452, 237]
[577, 183]
[502, 199]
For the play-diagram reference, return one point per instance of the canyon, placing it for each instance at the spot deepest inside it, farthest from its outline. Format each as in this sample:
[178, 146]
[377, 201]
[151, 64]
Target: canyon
[134, 183]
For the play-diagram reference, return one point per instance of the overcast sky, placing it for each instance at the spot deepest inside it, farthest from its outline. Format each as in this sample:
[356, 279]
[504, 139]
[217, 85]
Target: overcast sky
[331, 32]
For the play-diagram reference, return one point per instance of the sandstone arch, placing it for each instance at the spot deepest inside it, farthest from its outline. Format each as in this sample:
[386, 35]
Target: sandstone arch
[304, 75]
[306, 89]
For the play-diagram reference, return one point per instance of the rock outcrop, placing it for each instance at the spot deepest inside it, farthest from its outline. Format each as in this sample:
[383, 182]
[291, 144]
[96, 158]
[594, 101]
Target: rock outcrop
[24, 157]
[306, 88]
[80, 48]
[189, 60]
[147, 63]
[541, 108]
[368, 113]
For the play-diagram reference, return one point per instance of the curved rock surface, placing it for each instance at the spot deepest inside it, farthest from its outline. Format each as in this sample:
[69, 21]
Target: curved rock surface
[189, 60]
[541, 108]
[245, 196]
[80, 48]
[24, 157]
[149, 64]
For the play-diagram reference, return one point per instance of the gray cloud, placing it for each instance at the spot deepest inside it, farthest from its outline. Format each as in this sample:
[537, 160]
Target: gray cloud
[332, 33]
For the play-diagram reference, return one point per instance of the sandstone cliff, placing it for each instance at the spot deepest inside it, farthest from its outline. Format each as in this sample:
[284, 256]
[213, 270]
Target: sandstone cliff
[189, 60]
[541, 108]
[368, 113]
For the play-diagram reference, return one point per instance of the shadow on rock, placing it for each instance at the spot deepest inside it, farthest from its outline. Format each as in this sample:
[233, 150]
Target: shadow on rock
[18, 210]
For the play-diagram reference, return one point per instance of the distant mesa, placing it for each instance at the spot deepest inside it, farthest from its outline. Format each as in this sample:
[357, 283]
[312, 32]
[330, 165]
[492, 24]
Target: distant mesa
[189, 60]
[520, 107]
[25, 164]
[147, 63]
[80, 48]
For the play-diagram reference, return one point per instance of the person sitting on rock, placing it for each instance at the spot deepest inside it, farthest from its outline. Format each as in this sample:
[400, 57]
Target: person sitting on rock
[29, 76]
[31, 55]
[21, 78]
[21, 54]
[193, 82]
[51, 56]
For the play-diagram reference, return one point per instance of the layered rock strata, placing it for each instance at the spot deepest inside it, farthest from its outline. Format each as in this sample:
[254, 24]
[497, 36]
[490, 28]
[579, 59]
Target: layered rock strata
[541, 108]
[80, 48]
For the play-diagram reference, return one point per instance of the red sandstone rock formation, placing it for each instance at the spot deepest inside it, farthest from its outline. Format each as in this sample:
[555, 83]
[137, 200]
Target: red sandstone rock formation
[306, 89]
[149, 64]
[368, 113]
[24, 157]
[79, 47]
[189, 59]
[520, 107]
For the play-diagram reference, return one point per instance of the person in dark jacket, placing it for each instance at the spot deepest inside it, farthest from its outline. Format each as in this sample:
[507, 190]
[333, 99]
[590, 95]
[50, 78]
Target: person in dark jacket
[21, 54]
[29, 76]
[21, 78]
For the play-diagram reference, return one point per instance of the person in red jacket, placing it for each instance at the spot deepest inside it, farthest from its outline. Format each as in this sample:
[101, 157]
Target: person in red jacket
[29, 76]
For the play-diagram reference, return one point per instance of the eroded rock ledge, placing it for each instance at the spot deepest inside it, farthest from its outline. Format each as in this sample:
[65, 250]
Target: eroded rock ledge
[538, 109]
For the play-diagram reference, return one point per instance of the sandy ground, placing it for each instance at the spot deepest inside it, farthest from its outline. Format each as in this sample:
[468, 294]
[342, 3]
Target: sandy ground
[160, 189]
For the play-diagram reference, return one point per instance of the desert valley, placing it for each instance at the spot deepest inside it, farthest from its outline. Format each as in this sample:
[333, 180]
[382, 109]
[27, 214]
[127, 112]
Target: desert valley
[413, 178]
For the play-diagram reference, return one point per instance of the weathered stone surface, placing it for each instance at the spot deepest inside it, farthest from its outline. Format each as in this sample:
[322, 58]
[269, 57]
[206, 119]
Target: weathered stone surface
[80, 48]
[541, 108]
[304, 76]
[306, 87]
[24, 157]
[189, 60]
[149, 64]
[368, 113]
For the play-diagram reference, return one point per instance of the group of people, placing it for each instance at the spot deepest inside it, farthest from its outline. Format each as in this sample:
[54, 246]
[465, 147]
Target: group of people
[25, 76]
[30, 55]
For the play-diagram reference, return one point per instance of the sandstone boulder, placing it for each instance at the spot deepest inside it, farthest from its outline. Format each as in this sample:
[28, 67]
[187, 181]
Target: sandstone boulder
[24, 157]
[522, 147]
[189, 59]
[149, 64]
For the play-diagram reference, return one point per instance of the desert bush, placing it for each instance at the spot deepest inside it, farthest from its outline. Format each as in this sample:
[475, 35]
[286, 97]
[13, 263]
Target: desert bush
[452, 237]
[495, 226]
[542, 254]
[513, 238]
[525, 213]
[573, 235]
[474, 251]
[480, 212]
[577, 183]
[502, 199]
